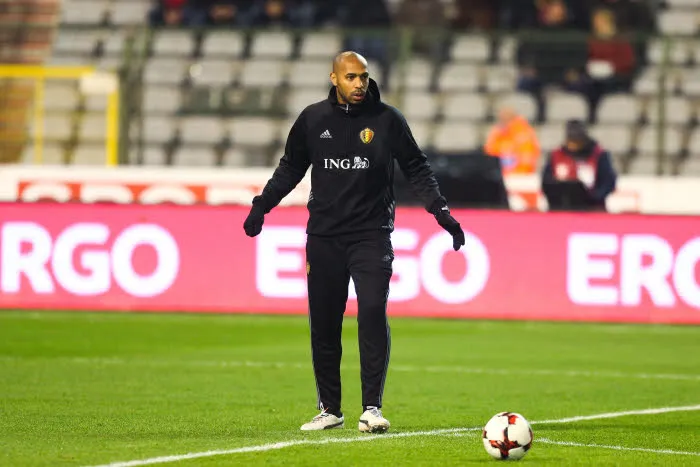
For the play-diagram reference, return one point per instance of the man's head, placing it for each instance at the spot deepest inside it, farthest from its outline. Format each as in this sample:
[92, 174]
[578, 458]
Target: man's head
[506, 115]
[604, 23]
[350, 77]
[576, 135]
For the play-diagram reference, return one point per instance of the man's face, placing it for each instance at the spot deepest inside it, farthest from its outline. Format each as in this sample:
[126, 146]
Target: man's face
[574, 145]
[505, 116]
[351, 79]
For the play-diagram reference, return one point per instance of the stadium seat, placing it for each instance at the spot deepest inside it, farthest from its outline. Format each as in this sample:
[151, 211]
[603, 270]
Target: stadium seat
[417, 75]
[678, 110]
[173, 43]
[694, 144]
[566, 106]
[320, 45]
[284, 128]
[470, 48]
[57, 127]
[51, 154]
[212, 72]
[459, 77]
[615, 138]
[125, 13]
[114, 43]
[619, 108]
[194, 157]
[423, 133]
[84, 12]
[60, 96]
[420, 106]
[524, 104]
[679, 52]
[223, 44]
[550, 136]
[647, 141]
[152, 155]
[165, 71]
[93, 129]
[299, 99]
[678, 22]
[262, 73]
[506, 50]
[95, 103]
[253, 131]
[90, 154]
[69, 60]
[76, 42]
[158, 129]
[465, 107]
[695, 52]
[162, 99]
[691, 82]
[643, 165]
[201, 130]
[456, 137]
[306, 73]
[648, 82]
[234, 157]
[691, 167]
[272, 45]
[107, 63]
[501, 78]
[681, 4]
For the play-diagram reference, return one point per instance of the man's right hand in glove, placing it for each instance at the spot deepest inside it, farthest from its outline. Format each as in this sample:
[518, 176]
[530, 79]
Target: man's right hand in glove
[254, 222]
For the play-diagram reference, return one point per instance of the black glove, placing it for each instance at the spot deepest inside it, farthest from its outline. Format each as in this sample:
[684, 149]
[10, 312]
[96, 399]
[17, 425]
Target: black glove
[254, 222]
[449, 223]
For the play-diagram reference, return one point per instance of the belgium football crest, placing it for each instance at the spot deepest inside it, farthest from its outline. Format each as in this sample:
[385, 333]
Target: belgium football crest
[367, 135]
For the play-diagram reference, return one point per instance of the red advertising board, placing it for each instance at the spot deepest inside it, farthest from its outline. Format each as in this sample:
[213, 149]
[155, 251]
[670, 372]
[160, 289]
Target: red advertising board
[544, 266]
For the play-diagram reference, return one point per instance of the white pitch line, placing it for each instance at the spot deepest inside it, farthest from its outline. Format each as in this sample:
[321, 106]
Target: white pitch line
[600, 416]
[397, 368]
[616, 448]
[356, 439]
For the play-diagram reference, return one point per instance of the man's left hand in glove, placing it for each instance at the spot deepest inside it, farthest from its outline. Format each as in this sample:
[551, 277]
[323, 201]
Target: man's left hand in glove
[450, 224]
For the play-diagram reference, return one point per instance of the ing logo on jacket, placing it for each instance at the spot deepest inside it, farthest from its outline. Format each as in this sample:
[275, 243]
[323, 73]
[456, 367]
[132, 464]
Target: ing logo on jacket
[360, 163]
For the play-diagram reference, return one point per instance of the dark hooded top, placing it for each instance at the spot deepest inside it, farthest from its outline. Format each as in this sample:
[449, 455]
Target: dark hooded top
[351, 150]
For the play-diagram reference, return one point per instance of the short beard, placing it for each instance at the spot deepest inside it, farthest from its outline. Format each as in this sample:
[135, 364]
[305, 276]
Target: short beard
[343, 96]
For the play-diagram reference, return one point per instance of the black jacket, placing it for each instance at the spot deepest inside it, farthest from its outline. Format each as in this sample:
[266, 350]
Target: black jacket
[351, 149]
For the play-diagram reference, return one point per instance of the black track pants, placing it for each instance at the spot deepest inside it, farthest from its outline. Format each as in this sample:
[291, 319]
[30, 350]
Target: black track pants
[331, 261]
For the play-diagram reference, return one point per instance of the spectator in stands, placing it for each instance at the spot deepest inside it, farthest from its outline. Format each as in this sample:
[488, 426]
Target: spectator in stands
[583, 159]
[552, 56]
[476, 14]
[221, 12]
[282, 13]
[611, 58]
[169, 13]
[370, 15]
[632, 15]
[429, 19]
[516, 14]
[515, 142]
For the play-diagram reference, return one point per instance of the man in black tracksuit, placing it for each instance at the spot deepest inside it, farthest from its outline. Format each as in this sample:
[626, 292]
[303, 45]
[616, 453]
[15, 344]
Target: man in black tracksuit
[351, 141]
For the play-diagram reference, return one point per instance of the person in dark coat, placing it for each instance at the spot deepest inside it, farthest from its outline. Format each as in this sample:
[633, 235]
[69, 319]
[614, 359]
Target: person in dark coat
[581, 158]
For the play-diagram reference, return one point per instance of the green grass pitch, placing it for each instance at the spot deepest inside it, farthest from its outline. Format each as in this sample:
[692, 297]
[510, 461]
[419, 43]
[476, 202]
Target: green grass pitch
[86, 389]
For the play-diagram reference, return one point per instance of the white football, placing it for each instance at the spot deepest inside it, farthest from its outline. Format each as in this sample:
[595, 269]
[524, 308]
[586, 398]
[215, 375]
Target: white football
[507, 436]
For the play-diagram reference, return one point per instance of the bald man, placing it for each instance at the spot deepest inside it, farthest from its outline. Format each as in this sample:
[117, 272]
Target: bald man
[351, 140]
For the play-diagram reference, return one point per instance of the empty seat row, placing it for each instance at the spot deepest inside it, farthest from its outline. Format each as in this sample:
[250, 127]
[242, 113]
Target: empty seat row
[679, 21]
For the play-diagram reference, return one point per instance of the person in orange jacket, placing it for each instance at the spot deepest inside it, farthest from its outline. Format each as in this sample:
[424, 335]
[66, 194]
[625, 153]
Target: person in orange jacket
[515, 142]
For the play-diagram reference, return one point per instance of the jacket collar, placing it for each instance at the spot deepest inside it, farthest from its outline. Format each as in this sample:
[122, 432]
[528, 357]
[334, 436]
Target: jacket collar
[372, 98]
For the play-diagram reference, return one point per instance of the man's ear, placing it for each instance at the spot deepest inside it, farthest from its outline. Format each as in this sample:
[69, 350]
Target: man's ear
[334, 79]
